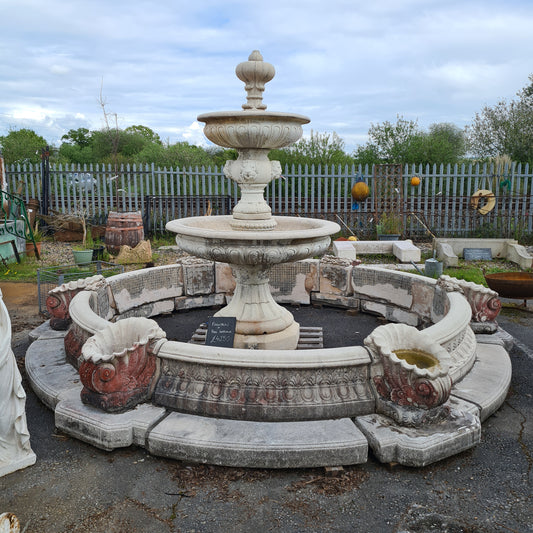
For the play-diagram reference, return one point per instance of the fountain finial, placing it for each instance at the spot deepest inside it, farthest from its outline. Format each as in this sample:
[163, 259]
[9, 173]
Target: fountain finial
[255, 73]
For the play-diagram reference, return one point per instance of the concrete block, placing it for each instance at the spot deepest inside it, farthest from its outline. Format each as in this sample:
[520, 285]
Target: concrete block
[392, 443]
[379, 284]
[294, 282]
[148, 310]
[335, 300]
[335, 276]
[406, 251]
[373, 247]
[391, 313]
[258, 444]
[198, 276]
[50, 375]
[487, 383]
[185, 302]
[105, 430]
[446, 254]
[344, 249]
[518, 254]
[224, 279]
[136, 288]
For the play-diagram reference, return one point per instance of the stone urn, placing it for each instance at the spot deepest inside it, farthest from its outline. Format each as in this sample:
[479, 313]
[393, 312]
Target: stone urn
[119, 366]
[409, 374]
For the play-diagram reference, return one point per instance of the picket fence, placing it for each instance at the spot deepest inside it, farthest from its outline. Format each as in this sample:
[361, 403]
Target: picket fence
[441, 204]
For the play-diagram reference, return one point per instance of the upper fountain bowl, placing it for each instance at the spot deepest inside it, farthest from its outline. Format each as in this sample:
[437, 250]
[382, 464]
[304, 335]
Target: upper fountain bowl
[253, 129]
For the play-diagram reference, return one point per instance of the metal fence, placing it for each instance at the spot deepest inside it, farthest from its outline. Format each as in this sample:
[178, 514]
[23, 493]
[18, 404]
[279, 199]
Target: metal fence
[442, 201]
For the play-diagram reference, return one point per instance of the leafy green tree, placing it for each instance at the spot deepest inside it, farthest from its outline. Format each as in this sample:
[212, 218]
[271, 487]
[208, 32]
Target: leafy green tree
[505, 128]
[181, 154]
[80, 137]
[323, 149]
[404, 142]
[145, 132]
[22, 146]
[445, 143]
[394, 142]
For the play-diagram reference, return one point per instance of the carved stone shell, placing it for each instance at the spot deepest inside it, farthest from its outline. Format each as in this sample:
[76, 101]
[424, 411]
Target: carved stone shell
[121, 338]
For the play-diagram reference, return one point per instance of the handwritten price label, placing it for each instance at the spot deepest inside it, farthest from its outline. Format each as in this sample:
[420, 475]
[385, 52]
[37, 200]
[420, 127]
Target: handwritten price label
[220, 331]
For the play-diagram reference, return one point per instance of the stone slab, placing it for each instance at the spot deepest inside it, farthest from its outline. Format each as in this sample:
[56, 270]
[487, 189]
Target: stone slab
[373, 247]
[486, 385]
[258, 444]
[293, 282]
[406, 251]
[335, 300]
[187, 302]
[44, 331]
[344, 249]
[133, 289]
[418, 447]
[105, 430]
[50, 375]
[500, 337]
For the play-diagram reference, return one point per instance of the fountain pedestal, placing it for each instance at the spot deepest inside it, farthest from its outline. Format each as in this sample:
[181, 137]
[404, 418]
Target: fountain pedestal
[261, 322]
[252, 240]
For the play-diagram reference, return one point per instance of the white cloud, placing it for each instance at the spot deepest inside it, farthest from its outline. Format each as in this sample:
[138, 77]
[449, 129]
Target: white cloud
[345, 63]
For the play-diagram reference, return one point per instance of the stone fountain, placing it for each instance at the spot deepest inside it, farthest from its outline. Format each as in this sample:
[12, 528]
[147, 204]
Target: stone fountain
[416, 391]
[252, 240]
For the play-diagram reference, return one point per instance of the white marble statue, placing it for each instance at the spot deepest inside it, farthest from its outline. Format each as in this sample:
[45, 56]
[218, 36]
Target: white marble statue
[15, 450]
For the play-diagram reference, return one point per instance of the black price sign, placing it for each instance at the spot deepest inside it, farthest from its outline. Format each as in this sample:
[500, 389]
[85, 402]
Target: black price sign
[220, 331]
[477, 254]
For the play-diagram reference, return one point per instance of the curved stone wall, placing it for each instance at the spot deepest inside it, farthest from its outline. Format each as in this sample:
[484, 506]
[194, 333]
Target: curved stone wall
[280, 385]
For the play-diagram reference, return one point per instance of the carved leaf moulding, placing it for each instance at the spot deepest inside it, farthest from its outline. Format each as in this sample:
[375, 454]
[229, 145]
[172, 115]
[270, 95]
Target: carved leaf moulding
[252, 254]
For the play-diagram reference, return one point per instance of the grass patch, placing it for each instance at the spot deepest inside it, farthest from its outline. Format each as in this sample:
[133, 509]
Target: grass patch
[163, 239]
[26, 270]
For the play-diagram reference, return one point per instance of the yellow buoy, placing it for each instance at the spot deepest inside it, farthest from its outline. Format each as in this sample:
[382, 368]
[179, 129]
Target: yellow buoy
[415, 181]
[352, 238]
[360, 191]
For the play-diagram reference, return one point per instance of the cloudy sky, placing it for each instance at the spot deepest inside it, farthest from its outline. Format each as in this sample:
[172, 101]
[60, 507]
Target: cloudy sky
[344, 63]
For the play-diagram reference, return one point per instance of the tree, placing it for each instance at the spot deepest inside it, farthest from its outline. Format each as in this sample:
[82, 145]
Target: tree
[446, 143]
[22, 146]
[404, 142]
[505, 128]
[394, 143]
[80, 137]
[145, 132]
[323, 149]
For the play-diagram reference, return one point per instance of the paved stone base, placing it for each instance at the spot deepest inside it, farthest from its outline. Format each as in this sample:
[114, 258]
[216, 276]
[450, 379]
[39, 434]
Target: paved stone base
[392, 443]
[105, 430]
[258, 444]
[486, 385]
[268, 444]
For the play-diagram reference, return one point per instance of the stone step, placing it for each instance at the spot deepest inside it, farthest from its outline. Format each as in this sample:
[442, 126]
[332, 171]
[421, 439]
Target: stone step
[311, 337]
[486, 385]
[258, 444]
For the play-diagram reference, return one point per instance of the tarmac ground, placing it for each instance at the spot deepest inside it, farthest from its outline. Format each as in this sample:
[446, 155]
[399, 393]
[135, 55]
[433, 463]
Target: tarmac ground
[76, 488]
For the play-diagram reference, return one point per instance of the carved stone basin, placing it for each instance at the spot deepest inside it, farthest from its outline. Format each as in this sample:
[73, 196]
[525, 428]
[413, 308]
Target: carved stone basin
[213, 238]
[253, 129]
[261, 322]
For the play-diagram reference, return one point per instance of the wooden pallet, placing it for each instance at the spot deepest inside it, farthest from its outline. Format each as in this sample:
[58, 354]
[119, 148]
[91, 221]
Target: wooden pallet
[310, 337]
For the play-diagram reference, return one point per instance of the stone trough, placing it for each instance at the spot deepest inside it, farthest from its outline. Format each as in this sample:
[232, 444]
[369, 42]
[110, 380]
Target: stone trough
[273, 408]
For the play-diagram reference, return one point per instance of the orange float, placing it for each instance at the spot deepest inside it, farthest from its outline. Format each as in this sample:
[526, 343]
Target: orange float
[360, 191]
[415, 181]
